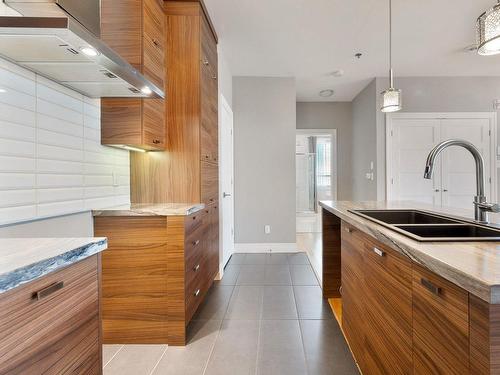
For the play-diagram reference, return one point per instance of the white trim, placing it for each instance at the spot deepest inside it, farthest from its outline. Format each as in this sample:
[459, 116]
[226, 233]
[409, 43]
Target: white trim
[491, 116]
[265, 248]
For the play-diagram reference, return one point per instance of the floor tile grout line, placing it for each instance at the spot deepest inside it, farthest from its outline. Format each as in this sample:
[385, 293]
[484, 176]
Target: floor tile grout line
[212, 349]
[113, 356]
[260, 329]
[158, 362]
[303, 346]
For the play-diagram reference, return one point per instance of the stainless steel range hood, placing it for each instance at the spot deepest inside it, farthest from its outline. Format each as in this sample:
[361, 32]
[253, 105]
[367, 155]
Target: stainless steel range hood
[60, 39]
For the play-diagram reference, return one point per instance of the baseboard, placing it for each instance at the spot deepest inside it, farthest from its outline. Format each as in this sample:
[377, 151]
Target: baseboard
[265, 248]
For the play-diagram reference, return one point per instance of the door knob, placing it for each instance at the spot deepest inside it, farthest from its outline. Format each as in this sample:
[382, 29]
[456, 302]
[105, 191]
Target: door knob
[224, 195]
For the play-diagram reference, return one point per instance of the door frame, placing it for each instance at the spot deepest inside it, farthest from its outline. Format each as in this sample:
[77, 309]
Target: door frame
[491, 116]
[224, 106]
[333, 134]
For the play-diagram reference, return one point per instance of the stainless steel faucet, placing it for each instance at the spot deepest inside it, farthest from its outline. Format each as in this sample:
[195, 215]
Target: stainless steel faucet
[481, 207]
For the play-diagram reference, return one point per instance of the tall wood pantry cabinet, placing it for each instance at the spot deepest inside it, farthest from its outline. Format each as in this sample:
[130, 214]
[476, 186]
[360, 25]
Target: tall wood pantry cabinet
[188, 171]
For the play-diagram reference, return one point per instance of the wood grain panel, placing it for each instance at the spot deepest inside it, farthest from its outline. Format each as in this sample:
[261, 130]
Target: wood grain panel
[134, 291]
[154, 127]
[209, 183]
[388, 310]
[119, 119]
[213, 247]
[331, 255]
[57, 334]
[484, 337]
[440, 325]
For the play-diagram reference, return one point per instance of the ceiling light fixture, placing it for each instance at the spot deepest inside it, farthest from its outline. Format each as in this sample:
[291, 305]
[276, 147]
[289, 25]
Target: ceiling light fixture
[488, 31]
[391, 98]
[89, 51]
[326, 93]
[2, 90]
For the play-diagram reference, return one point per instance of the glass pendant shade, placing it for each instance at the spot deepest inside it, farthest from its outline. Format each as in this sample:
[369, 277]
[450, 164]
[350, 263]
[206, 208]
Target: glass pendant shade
[391, 100]
[488, 32]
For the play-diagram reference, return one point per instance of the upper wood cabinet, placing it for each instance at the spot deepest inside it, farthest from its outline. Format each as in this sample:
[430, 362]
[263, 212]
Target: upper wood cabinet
[135, 29]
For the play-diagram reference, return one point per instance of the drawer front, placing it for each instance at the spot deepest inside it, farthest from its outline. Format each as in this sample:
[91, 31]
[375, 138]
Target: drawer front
[193, 222]
[388, 310]
[209, 183]
[195, 253]
[57, 333]
[195, 292]
[440, 325]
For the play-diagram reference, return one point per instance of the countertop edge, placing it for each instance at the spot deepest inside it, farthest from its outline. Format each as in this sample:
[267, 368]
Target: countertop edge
[475, 286]
[146, 212]
[37, 270]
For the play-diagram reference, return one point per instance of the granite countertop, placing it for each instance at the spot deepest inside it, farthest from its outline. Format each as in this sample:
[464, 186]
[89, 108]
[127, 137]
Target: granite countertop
[26, 259]
[474, 266]
[152, 209]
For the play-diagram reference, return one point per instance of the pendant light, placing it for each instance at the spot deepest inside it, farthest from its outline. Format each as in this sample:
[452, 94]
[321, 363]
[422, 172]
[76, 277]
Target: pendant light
[391, 98]
[488, 32]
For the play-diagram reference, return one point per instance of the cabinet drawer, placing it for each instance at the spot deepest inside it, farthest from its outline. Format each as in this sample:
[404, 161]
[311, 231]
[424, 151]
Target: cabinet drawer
[440, 325]
[195, 292]
[56, 332]
[193, 222]
[209, 182]
[195, 252]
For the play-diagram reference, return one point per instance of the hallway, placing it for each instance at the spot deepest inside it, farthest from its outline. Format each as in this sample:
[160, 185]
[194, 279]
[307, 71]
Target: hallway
[266, 316]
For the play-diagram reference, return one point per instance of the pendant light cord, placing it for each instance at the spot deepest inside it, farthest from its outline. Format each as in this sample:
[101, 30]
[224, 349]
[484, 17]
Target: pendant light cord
[391, 79]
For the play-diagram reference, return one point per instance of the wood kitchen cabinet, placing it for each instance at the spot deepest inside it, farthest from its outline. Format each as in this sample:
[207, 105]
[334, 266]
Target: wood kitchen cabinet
[135, 29]
[156, 272]
[440, 325]
[52, 325]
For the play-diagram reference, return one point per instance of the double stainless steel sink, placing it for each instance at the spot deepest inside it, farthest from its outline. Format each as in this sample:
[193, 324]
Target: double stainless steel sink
[428, 227]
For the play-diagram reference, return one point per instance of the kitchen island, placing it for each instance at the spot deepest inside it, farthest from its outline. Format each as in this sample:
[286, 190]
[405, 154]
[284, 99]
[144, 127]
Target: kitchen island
[409, 306]
[49, 305]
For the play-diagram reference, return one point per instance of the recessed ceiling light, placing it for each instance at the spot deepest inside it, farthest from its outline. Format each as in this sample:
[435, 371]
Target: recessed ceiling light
[336, 73]
[2, 90]
[89, 51]
[146, 90]
[326, 93]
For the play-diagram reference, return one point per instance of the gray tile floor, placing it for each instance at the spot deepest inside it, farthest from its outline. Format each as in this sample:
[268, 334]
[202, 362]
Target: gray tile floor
[265, 317]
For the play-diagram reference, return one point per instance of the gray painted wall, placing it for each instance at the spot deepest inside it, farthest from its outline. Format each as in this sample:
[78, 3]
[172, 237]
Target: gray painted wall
[435, 94]
[364, 145]
[338, 116]
[264, 159]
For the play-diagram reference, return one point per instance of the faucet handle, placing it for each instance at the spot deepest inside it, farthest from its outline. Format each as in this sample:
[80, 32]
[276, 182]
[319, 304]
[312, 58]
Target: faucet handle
[491, 207]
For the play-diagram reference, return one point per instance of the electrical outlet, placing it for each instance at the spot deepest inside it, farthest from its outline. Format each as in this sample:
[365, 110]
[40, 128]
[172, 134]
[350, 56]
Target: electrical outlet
[267, 229]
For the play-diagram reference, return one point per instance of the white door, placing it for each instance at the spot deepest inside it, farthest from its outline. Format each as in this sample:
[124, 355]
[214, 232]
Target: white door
[458, 167]
[226, 181]
[412, 139]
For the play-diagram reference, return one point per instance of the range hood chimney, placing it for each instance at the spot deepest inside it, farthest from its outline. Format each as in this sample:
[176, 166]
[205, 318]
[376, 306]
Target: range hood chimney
[60, 39]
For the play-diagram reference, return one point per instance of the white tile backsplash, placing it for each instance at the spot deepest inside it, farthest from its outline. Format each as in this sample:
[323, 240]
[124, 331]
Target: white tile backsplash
[51, 159]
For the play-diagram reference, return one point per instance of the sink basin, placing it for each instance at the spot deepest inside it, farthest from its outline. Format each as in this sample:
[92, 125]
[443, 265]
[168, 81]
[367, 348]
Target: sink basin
[451, 232]
[405, 217]
[426, 227]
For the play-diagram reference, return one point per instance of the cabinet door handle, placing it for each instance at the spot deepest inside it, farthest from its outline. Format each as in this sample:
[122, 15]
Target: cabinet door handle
[196, 268]
[197, 293]
[156, 43]
[205, 62]
[348, 230]
[214, 77]
[156, 141]
[45, 292]
[430, 286]
[196, 243]
[379, 252]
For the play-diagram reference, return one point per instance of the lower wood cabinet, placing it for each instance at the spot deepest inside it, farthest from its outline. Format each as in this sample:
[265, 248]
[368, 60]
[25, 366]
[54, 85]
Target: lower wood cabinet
[57, 333]
[156, 272]
[400, 318]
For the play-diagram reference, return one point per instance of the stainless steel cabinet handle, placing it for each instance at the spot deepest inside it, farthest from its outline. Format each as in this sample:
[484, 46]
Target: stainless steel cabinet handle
[196, 243]
[430, 286]
[445, 190]
[348, 230]
[156, 43]
[379, 252]
[437, 190]
[197, 293]
[45, 292]
[196, 268]
[224, 195]
[214, 77]
[205, 62]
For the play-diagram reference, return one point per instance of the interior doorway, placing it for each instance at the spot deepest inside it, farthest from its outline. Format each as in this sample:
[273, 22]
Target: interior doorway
[316, 175]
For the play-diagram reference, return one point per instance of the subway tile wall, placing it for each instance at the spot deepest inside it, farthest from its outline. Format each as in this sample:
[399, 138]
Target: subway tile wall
[51, 159]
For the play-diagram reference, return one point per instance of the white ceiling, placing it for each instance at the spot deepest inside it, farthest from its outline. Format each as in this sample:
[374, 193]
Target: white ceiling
[308, 39]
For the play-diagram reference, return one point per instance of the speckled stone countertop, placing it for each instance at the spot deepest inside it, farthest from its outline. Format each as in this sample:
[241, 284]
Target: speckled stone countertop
[474, 266]
[151, 209]
[26, 259]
